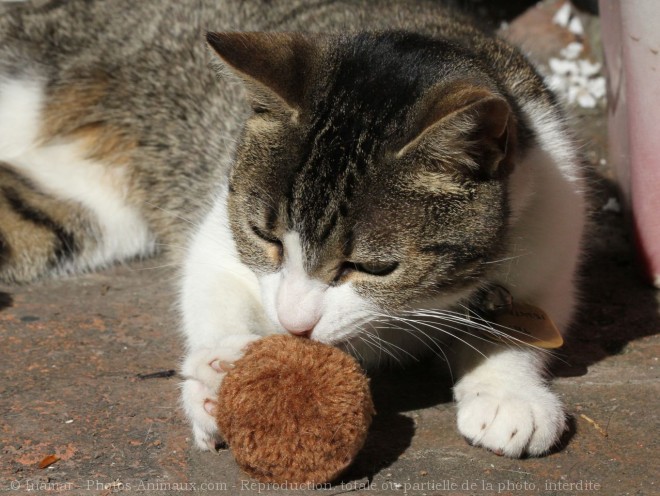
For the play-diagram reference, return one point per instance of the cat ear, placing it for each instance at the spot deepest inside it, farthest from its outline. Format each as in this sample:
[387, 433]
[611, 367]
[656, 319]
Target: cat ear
[466, 128]
[275, 63]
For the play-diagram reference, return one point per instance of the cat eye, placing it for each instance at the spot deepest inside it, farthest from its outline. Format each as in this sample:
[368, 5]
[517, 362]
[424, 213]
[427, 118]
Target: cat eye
[269, 238]
[260, 109]
[371, 268]
[377, 268]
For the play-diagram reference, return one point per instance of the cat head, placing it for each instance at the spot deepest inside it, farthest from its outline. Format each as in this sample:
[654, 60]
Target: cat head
[370, 177]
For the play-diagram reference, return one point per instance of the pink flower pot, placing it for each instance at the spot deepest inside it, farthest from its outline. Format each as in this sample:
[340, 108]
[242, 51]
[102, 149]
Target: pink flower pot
[631, 38]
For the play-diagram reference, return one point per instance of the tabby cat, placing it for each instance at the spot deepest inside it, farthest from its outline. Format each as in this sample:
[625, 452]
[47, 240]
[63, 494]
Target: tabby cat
[362, 173]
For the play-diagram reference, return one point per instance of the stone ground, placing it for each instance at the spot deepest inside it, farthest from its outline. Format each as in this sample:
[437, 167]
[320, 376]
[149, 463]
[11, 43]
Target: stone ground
[87, 374]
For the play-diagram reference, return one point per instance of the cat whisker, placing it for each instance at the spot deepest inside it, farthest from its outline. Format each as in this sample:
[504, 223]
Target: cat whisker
[440, 329]
[367, 343]
[383, 343]
[416, 334]
[355, 351]
[426, 335]
[436, 342]
[458, 318]
[380, 345]
[445, 321]
[504, 331]
[373, 339]
[478, 323]
[471, 324]
[506, 259]
[375, 342]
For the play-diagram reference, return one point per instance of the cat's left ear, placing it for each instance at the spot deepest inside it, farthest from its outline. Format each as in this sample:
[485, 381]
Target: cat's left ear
[272, 64]
[466, 128]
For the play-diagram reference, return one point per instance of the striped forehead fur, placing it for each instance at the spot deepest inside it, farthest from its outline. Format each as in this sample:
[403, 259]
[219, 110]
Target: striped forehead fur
[357, 116]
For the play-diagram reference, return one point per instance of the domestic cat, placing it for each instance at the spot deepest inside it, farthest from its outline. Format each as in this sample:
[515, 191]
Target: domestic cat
[362, 173]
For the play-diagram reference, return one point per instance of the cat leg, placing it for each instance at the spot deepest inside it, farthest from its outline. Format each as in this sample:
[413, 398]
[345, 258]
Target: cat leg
[222, 314]
[504, 402]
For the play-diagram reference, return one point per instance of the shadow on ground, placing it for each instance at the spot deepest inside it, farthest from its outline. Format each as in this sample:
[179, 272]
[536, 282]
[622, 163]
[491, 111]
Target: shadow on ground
[396, 391]
[617, 305]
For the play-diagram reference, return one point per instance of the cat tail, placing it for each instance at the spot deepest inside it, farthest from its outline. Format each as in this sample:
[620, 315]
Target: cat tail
[40, 235]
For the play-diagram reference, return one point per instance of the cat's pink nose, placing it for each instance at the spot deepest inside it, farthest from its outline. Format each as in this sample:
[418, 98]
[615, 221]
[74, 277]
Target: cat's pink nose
[299, 327]
[299, 304]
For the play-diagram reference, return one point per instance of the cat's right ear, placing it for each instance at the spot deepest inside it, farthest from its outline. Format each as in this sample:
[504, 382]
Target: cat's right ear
[271, 64]
[465, 128]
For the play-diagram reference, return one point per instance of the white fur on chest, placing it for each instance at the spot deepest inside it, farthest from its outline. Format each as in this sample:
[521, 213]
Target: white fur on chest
[547, 194]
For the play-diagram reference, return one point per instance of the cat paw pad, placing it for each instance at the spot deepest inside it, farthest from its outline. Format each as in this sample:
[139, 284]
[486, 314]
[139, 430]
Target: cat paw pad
[510, 423]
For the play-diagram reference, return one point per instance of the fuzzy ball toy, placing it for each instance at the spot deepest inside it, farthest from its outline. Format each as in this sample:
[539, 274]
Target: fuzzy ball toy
[294, 410]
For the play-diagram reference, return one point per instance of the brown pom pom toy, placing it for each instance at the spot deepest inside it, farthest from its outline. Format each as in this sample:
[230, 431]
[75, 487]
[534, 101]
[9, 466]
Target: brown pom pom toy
[294, 410]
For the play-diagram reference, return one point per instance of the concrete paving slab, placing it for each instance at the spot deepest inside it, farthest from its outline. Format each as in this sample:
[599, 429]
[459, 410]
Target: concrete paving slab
[87, 374]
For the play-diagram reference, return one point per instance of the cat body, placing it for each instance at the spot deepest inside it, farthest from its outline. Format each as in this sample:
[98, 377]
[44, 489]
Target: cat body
[354, 178]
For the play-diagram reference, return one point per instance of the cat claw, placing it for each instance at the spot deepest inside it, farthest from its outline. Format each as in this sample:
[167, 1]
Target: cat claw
[222, 366]
[211, 407]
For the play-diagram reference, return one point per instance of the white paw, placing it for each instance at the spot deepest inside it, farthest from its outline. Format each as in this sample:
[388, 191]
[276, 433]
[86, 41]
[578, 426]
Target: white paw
[509, 421]
[204, 369]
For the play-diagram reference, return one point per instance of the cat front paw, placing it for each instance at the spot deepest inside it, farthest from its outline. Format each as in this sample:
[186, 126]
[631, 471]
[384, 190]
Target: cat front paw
[204, 369]
[513, 422]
